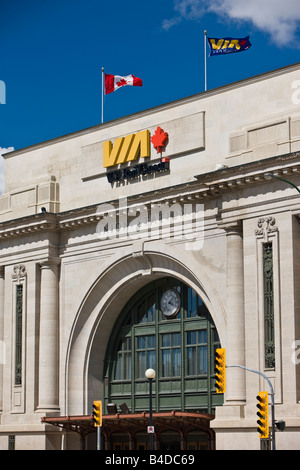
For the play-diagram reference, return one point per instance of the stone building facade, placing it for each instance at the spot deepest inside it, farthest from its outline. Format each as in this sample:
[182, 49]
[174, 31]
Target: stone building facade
[197, 198]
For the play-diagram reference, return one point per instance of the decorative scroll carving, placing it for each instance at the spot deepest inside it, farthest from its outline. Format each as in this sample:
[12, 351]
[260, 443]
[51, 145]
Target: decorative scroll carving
[19, 272]
[266, 225]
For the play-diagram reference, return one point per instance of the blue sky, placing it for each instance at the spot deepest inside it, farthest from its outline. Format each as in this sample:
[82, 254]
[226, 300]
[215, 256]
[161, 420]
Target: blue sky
[51, 54]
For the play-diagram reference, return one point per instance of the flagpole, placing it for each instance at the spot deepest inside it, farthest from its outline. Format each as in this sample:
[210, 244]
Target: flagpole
[102, 94]
[205, 67]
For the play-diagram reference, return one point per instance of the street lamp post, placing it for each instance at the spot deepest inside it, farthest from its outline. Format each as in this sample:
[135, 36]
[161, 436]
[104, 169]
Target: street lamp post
[272, 398]
[270, 176]
[150, 375]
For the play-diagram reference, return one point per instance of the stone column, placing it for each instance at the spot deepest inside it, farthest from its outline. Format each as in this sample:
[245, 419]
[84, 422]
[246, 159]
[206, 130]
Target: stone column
[48, 338]
[2, 346]
[235, 347]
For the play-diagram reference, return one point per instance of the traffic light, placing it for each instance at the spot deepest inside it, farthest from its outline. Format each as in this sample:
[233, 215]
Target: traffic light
[220, 370]
[97, 413]
[263, 414]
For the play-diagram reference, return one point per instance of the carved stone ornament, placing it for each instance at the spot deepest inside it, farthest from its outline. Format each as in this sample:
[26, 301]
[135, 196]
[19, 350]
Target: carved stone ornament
[266, 225]
[19, 272]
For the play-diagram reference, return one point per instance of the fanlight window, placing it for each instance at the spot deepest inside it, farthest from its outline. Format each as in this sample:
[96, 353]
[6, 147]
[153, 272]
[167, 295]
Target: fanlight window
[181, 349]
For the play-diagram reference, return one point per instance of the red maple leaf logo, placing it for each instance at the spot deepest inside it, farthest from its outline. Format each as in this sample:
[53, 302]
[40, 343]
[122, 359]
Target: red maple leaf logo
[159, 139]
[122, 82]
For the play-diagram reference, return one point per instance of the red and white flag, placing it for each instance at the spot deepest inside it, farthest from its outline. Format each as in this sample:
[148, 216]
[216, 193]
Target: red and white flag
[113, 82]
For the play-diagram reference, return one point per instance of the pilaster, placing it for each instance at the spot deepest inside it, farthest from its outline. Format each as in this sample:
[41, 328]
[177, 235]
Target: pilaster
[235, 347]
[48, 337]
[2, 346]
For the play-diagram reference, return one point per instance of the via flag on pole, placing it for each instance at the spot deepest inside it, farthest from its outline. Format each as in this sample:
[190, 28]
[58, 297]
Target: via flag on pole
[228, 45]
[113, 82]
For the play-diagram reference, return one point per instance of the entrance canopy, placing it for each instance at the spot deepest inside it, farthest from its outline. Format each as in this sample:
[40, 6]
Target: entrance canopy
[131, 424]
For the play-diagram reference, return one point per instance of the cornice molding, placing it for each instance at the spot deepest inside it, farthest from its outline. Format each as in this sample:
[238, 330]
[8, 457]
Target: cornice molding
[27, 225]
[205, 186]
[253, 172]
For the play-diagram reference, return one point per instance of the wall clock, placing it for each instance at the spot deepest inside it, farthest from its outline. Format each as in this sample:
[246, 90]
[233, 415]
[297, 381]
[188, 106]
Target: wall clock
[170, 302]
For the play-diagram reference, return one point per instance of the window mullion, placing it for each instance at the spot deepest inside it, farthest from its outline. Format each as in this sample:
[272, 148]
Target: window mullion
[19, 334]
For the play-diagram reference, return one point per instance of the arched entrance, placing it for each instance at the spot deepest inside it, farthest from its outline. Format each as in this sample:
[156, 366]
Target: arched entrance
[165, 326]
[116, 280]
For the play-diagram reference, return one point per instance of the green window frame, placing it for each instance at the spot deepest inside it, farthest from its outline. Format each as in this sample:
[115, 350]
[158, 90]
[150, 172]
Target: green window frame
[11, 442]
[196, 347]
[19, 334]
[145, 354]
[123, 361]
[171, 354]
[180, 349]
[269, 327]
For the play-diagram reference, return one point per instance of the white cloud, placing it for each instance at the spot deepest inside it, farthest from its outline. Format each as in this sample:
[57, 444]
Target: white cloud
[2, 152]
[280, 19]
[185, 10]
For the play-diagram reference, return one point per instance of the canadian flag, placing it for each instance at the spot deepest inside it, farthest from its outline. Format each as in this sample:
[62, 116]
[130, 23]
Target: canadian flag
[113, 82]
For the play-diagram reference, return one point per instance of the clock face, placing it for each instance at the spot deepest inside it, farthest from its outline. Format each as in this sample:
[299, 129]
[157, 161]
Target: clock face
[170, 302]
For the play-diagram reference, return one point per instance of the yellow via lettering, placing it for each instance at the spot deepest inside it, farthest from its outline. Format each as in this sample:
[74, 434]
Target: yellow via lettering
[218, 45]
[235, 42]
[226, 42]
[126, 149]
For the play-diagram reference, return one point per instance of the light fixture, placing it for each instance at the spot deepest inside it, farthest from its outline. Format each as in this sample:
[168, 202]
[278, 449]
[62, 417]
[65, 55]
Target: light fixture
[221, 166]
[269, 176]
[124, 408]
[150, 374]
[111, 408]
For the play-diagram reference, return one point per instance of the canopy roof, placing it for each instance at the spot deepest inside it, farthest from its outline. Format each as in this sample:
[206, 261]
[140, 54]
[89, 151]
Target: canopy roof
[182, 422]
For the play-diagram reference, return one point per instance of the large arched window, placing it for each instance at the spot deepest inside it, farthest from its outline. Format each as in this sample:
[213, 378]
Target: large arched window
[177, 340]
